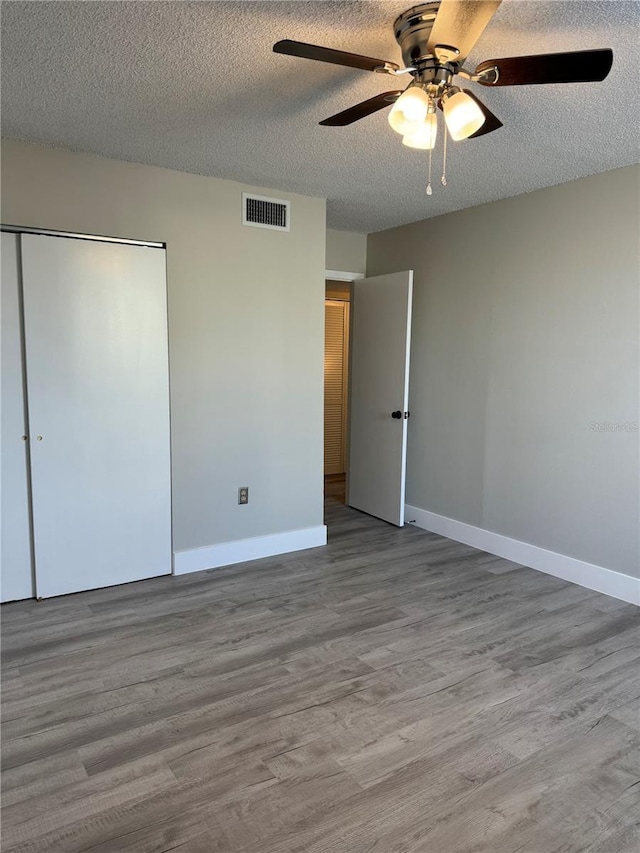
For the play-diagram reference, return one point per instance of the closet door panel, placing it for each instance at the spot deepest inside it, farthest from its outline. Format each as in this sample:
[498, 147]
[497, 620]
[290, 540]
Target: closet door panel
[97, 375]
[16, 579]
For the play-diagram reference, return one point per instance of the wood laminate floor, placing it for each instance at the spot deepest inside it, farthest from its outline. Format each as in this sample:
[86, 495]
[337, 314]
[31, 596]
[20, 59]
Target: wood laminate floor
[334, 488]
[394, 692]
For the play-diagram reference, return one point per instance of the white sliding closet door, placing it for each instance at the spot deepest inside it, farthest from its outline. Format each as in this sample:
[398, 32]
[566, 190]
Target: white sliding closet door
[16, 579]
[97, 377]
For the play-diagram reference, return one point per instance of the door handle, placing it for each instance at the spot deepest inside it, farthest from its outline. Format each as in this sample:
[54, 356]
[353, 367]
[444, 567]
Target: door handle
[397, 415]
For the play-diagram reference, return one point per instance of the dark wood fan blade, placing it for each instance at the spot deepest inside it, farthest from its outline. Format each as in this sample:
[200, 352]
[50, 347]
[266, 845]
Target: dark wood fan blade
[491, 122]
[581, 66]
[327, 54]
[460, 23]
[366, 108]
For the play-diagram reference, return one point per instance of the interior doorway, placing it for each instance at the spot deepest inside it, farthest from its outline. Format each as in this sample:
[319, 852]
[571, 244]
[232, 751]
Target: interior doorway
[338, 296]
[367, 355]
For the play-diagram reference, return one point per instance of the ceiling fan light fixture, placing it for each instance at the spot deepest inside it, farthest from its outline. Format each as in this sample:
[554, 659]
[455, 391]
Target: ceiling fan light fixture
[424, 136]
[462, 115]
[409, 111]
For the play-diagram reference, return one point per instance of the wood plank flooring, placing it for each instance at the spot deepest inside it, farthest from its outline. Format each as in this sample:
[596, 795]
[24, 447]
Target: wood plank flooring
[394, 692]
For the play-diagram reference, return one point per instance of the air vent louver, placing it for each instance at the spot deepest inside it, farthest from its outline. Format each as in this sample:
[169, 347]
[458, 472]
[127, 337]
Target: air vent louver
[261, 212]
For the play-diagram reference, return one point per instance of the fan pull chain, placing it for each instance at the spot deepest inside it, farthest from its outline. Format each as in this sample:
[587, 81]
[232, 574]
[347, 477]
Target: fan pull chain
[443, 179]
[429, 190]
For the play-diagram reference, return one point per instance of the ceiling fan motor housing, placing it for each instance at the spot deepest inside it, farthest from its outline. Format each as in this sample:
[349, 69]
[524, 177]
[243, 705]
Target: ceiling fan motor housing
[412, 30]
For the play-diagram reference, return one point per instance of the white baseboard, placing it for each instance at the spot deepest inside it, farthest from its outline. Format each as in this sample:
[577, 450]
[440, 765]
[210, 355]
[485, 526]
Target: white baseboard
[615, 584]
[242, 550]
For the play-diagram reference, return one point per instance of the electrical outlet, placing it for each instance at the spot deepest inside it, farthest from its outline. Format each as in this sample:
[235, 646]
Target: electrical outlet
[243, 495]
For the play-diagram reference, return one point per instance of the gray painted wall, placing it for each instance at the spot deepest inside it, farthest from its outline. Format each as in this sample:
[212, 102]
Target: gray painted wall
[346, 251]
[246, 330]
[526, 338]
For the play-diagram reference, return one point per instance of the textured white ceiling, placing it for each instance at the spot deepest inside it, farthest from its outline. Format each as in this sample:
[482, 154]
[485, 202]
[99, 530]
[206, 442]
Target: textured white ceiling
[196, 87]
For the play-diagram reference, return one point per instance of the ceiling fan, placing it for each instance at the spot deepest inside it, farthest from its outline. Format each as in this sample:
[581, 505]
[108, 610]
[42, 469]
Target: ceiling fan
[435, 39]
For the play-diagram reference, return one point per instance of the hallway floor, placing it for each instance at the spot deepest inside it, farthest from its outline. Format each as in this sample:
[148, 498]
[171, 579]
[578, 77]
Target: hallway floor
[393, 692]
[334, 488]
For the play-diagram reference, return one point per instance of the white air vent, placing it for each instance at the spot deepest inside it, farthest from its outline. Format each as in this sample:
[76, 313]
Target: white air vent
[261, 212]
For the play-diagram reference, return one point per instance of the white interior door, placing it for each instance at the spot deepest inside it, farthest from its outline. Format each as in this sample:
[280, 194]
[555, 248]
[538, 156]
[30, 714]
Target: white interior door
[379, 395]
[98, 394]
[16, 576]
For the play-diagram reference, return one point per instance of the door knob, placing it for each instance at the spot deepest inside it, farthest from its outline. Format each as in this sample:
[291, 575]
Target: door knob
[38, 438]
[397, 415]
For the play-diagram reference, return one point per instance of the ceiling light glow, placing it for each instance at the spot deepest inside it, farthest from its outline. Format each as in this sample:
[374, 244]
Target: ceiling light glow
[424, 136]
[462, 114]
[409, 111]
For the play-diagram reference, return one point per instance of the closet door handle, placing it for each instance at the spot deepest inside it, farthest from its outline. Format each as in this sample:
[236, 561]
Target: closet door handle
[38, 438]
